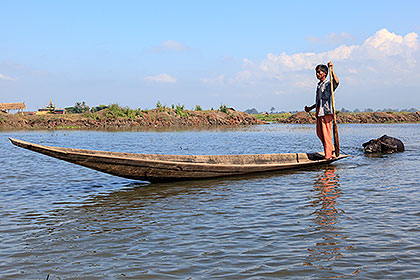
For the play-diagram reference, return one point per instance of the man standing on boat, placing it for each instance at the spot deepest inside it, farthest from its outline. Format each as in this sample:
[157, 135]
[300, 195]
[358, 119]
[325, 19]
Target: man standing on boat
[324, 107]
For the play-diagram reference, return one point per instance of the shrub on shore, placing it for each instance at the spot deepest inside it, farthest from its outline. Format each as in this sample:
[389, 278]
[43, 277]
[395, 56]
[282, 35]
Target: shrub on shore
[272, 117]
[180, 111]
[223, 108]
[115, 111]
[161, 107]
[78, 108]
[98, 108]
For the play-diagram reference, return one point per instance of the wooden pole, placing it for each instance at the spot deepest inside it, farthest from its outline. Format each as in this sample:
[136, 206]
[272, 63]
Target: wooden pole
[335, 128]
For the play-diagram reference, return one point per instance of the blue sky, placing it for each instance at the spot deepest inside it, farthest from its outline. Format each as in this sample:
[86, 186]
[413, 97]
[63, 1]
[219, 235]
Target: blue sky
[243, 54]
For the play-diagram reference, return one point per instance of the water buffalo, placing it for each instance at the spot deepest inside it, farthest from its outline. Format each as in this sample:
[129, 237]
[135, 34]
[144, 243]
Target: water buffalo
[384, 145]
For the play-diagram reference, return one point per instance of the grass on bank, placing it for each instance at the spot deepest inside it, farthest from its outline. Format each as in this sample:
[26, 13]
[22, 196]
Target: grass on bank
[272, 117]
[116, 111]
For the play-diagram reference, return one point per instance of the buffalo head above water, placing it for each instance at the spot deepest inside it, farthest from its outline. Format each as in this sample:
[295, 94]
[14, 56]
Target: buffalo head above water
[384, 145]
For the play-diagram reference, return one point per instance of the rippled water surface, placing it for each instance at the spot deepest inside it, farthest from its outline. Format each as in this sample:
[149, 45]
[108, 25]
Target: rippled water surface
[358, 218]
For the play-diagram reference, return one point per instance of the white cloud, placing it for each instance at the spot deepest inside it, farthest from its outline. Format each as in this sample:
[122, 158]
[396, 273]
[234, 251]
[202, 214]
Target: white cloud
[174, 45]
[242, 77]
[7, 78]
[247, 63]
[369, 72]
[304, 83]
[332, 38]
[378, 53]
[280, 92]
[161, 78]
[340, 38]
[170, 45]
[219, 80]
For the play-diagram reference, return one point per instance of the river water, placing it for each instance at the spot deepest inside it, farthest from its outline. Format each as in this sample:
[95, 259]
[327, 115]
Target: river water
[358, 218]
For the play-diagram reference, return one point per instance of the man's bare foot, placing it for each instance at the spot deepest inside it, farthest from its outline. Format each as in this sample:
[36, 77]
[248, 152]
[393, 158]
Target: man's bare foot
[332, 156]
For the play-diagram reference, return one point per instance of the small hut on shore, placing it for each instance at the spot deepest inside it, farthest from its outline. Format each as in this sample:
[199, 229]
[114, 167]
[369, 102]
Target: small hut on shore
[6, 107]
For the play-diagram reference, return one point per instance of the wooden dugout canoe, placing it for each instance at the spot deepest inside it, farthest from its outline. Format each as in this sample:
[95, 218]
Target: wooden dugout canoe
[156, 167]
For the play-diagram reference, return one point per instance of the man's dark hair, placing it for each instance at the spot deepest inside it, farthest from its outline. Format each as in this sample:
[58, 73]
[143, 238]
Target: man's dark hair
[322, 67]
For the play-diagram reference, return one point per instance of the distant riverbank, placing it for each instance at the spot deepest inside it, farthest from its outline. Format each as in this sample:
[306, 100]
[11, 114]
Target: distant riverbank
[362, 117]
[128, 119]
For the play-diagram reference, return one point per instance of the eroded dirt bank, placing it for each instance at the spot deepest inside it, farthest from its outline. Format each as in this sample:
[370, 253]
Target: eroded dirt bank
[169, 118]
[374, 117]
[105, 119]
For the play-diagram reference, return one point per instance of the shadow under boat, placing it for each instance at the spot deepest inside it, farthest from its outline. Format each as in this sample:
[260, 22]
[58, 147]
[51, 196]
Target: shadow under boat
[138, 194]
[167, 168]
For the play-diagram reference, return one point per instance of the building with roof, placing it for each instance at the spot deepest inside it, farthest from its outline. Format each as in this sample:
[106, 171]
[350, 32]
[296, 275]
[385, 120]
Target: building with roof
[6, 107]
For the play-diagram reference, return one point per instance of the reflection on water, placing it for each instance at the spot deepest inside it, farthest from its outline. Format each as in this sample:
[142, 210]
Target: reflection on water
[326, 222]
[75, 223]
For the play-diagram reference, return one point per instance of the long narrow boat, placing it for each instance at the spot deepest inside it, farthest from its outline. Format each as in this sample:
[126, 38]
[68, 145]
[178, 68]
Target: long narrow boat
[156, 167]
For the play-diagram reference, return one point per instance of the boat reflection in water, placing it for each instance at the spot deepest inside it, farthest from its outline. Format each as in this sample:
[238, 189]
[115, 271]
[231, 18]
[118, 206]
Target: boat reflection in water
[330, 242]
